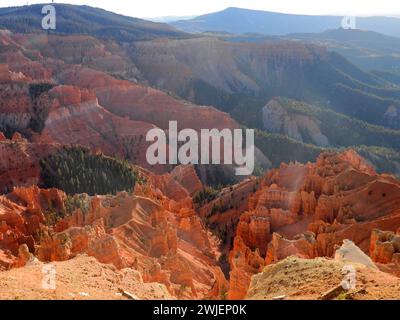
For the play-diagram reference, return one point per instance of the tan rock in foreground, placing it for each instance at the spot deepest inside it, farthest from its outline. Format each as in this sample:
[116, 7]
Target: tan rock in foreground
[309, 279]
[81, 278]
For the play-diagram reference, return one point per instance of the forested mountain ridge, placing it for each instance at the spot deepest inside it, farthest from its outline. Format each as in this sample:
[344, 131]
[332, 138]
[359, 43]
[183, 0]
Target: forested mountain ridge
[72, 19]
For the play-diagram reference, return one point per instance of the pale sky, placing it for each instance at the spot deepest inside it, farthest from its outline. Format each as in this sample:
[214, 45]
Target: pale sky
[158, 8]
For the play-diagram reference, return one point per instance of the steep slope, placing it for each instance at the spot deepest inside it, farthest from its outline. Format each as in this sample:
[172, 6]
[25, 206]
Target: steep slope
[20, 162]
[64, 89]
[241, 77]
[296, 210]
[144, 103]
[240, 84]
[281, 148]
[303, 210]
[72, 169]
[323, 127]
[159, 236]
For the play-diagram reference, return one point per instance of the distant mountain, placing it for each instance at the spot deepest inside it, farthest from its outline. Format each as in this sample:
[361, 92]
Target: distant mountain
[97, 22]
[369, 40]
[169, 19]
[366, 49]
[272, 23]
[240, 78]
[214, 69]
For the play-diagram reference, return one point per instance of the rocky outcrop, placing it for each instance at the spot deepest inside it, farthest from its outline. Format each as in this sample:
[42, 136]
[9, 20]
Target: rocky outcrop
[162, 238]
[303, 210]
[22, 214]
[314, 279]
[349, 253]
[385, 247]
[80, 278]
[149, 232]
[187, 177]
[244, 263]
[75, 117]
[255, 230]
[280, 248]
[92, 240]
[20, 162]
[5, 75]
[297, 210]
[89, 105]
[32, 68]
[146, 104]
[308, 211]
[297, 126]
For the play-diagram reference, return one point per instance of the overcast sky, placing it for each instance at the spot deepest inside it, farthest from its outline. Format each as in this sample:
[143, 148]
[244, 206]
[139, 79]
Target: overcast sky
[158, 8]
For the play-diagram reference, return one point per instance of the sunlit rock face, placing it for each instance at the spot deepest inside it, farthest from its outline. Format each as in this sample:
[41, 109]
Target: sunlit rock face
[57, 91]
[308, 210]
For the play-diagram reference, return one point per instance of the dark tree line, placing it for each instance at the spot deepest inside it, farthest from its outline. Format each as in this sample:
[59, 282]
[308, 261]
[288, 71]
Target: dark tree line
[75, 170]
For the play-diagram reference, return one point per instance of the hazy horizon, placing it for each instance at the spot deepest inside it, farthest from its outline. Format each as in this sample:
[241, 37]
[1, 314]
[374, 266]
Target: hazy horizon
[178, 8]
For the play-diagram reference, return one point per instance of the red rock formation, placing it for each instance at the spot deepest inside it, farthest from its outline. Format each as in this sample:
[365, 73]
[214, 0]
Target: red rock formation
[5, 75]
[17, 137]
[303, 210]
[158, 232]
[144, 232]
[162, 238]
[22, 214]
[244, 263]
[146, 104]
[330, 193]
[279, 248]
[187, 177]
[66, 96]
[92, 240]
[308, 210]
[356, 161]
[20, 162]
[86, 123]
[255, 230]
[19, 63]
[385, 247]
[88, 106]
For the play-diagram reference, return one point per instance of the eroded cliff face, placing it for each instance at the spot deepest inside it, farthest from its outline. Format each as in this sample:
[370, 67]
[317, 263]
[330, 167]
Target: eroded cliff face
[307, 211]
[75, 117]
[23, 217]
[20, 161]
[162, 238]
[50, 98]
[68, 90]
[212, 251]
[299, 127]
